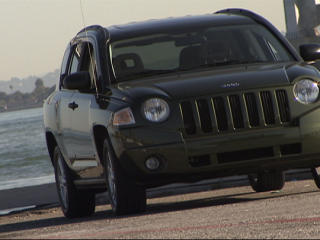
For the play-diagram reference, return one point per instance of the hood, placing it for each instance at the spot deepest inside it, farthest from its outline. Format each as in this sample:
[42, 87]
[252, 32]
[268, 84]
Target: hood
[189, 84]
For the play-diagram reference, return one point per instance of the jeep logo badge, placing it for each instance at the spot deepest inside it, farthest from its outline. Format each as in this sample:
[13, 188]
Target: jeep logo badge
[230, 85]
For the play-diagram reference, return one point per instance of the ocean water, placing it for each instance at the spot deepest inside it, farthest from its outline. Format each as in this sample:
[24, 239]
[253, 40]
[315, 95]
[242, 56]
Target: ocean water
[24, 159]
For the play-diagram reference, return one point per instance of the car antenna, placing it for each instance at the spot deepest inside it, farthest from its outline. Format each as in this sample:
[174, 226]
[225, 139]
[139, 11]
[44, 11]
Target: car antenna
[89, 49]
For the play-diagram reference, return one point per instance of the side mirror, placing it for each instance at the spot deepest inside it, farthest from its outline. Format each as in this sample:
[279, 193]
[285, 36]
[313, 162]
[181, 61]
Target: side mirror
[310, 52]
[77, 81]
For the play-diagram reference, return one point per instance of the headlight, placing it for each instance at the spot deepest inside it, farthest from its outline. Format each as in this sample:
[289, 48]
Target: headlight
[156, 110]
[123, 117]
[306, 91]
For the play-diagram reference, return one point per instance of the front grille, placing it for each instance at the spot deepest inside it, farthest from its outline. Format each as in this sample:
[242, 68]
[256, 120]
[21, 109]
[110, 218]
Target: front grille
[234, 112]
[294, 148]
[199, 161]
[250, 154]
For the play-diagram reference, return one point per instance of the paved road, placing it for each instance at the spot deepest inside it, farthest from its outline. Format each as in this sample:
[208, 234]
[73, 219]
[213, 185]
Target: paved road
[235, 212]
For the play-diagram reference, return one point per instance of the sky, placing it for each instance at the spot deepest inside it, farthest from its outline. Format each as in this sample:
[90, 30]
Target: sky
[34, 33]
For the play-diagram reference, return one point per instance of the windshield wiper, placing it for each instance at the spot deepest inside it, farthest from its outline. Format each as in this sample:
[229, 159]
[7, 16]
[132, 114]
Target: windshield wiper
[157, 72]
[149, 72]
[146, 73]
[232, 62]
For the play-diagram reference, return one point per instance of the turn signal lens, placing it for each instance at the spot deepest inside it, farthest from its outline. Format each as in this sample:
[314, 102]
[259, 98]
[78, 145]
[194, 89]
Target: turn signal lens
[123, 117]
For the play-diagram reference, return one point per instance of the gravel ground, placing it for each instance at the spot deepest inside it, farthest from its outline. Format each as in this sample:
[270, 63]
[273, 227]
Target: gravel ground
[235, 212]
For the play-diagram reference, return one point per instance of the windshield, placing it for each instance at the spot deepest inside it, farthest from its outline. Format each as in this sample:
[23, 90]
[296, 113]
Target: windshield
[214, 47]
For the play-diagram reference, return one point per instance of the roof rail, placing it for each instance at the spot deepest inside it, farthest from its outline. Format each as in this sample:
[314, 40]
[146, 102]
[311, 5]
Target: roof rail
[261, 20]
[246, 13]
[92, 27]
[103, 33]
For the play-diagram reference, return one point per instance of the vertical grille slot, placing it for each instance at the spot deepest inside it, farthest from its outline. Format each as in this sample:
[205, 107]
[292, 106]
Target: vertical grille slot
[267, 106]
[252, 109]
[283, 105]
[236, 111]
[221, 114]
[188, 118]
[204, 115]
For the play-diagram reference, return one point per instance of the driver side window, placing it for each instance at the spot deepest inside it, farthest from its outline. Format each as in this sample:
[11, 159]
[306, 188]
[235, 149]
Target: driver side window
[88, 63]
[83, 59]
[76, 57]
[70, 66]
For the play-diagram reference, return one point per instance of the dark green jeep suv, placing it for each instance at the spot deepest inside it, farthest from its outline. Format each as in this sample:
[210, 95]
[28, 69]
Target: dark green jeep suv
[180, 100]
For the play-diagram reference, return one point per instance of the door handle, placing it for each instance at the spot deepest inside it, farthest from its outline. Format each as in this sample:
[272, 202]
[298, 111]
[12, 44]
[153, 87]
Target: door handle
[73, 105]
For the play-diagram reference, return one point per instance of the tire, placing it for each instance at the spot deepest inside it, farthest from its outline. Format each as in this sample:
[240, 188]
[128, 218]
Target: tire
[315, 173]
[125, 196]
[270, 181]
[74, 203]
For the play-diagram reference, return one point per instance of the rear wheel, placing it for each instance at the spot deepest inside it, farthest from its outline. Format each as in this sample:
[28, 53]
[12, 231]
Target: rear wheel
[125, 196]
[74, 203]
[267, 181]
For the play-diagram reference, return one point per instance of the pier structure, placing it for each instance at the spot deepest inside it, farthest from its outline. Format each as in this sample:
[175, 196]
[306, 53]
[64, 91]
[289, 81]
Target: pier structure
[302, 21]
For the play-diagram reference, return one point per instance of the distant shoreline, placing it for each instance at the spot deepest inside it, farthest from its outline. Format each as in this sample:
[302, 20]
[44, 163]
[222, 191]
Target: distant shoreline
[22, 108]
[27, 182]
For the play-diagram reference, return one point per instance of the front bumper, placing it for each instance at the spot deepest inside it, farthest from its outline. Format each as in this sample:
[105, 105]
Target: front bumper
[192, 159]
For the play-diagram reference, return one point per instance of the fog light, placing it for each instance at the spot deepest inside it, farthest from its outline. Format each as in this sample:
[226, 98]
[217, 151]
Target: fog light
[152, 163]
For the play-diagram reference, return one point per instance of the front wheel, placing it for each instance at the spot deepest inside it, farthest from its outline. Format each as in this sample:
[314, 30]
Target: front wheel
[74, 203]
[267, 181]
[125, 196]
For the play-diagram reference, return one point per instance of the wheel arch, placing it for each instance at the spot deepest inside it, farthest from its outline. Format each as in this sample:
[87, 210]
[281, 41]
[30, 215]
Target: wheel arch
[51, 144]
[100, 133]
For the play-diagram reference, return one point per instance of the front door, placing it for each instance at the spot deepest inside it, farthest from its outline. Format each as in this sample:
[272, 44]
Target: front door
[64, 122]
[81, 148]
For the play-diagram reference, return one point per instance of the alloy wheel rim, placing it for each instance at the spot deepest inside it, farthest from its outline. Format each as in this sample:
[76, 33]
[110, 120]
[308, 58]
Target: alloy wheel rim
[112, 184]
